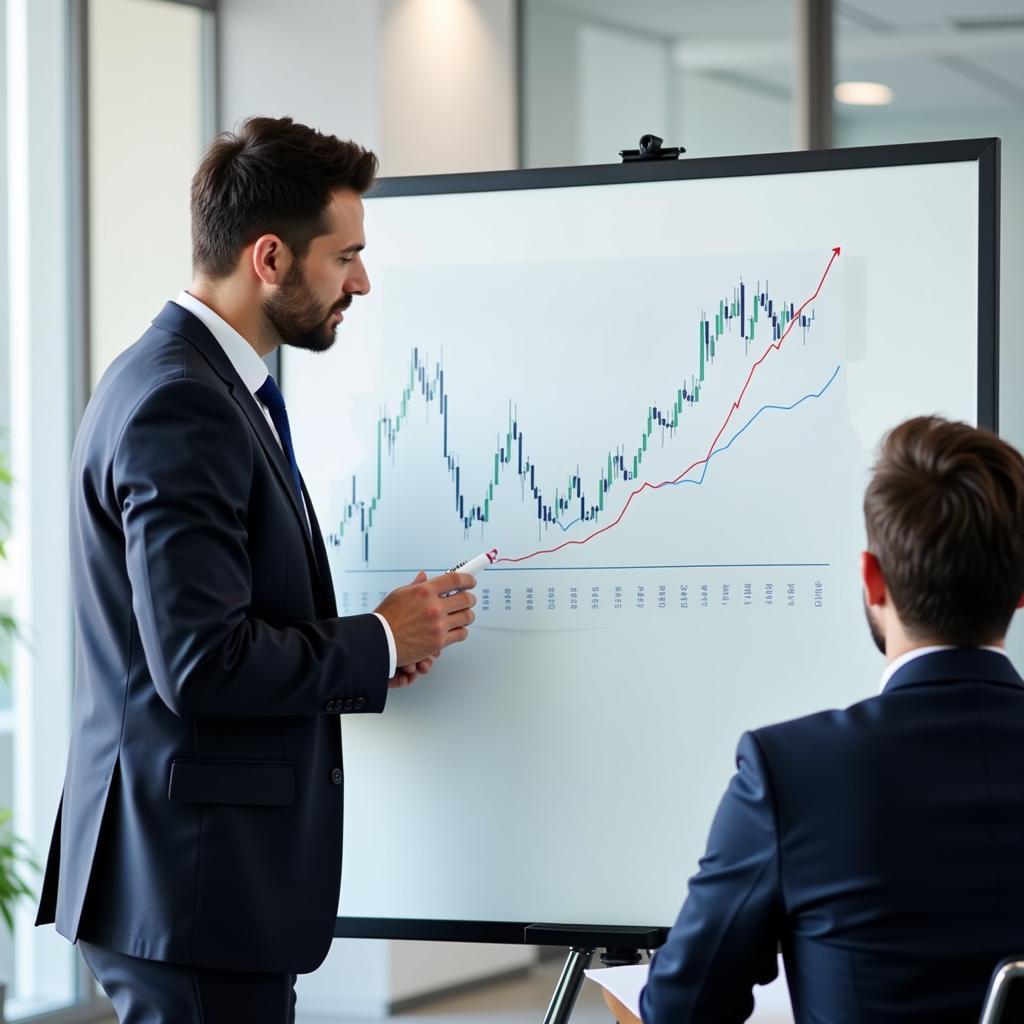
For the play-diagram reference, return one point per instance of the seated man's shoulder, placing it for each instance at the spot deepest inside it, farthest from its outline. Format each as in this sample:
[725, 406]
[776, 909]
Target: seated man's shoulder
[826, 746]
[834, 725]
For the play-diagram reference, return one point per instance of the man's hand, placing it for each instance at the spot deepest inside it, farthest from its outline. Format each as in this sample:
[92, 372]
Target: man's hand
[423, 622]
[406, 675]
[619, 1012]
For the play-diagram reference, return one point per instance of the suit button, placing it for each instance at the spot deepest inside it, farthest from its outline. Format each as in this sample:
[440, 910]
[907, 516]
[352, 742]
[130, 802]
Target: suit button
[349, 704]
[330, 707]
[360, 703]
[337, 776]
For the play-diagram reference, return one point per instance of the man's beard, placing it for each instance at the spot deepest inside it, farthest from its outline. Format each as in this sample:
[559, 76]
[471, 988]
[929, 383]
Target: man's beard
[298, 318]
[876, 634]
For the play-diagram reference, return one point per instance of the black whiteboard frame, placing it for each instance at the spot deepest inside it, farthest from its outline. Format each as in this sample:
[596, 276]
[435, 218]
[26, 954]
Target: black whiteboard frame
[985, 152]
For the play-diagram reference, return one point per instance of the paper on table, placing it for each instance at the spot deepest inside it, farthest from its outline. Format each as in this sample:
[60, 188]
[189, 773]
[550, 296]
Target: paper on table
[625, 983]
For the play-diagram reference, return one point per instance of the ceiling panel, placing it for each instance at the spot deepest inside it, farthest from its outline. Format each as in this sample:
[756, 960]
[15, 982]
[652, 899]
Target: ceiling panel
[930, 13]
[674, 18]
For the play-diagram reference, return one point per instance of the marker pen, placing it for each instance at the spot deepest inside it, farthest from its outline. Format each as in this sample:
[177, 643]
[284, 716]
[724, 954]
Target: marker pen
[474, 566]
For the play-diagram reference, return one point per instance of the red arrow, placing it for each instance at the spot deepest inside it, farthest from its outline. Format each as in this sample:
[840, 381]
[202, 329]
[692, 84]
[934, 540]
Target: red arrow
[773, 347]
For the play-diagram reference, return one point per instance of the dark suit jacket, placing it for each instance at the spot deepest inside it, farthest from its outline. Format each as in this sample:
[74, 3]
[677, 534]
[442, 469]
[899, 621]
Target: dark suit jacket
[201, 819]
[882, 846]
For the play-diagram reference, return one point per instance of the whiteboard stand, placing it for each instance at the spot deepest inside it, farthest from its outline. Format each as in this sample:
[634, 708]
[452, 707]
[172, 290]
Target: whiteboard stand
[569, 984]
[622, 946]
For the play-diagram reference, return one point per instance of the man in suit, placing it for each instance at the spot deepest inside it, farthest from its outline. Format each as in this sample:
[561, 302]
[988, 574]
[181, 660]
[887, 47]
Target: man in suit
[881, 847]
[196, 856]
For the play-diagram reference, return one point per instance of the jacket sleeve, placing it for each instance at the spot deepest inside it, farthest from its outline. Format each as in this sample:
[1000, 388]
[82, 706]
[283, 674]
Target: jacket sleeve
[726, 937]
[182, 474]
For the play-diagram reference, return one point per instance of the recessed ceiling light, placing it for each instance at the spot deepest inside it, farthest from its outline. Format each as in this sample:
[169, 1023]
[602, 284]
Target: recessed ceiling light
[863, 94]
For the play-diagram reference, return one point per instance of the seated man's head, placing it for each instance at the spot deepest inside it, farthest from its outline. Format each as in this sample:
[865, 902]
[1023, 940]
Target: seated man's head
[944, 512]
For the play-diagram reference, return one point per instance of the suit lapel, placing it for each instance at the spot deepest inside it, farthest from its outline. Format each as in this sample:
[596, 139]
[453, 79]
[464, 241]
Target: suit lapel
[274, 452]
[327, 595]
[180, 321]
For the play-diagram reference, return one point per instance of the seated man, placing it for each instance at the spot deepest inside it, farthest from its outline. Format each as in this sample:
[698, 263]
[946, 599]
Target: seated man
[882, 847]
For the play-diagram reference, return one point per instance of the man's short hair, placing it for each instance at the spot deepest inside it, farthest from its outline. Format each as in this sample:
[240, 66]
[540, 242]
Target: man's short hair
[272, 176]
[944, 512]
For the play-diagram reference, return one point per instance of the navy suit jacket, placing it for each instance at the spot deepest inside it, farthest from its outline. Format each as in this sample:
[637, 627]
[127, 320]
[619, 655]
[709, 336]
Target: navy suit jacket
[201, 820]
[882, 847]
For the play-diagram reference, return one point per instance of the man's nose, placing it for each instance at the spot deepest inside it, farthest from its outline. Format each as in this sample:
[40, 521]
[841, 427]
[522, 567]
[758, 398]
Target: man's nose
[358, 283]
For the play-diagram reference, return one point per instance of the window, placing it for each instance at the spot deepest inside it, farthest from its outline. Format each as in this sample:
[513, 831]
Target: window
[596, 75]
[953, 70]
[94, 170]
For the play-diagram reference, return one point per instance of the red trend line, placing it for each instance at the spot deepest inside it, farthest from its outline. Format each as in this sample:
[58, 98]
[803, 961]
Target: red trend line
[774, 346]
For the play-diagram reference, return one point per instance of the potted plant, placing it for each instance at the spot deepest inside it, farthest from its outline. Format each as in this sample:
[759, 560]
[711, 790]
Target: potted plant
[15, 857]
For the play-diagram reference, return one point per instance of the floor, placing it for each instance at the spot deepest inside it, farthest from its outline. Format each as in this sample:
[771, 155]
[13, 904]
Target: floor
[522, 1000]
[525, 1000]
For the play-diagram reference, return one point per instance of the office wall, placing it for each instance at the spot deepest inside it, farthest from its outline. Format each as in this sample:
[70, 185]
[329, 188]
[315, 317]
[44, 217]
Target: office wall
[447, 86]
[429, 86]
[145, 137]
[314, 60]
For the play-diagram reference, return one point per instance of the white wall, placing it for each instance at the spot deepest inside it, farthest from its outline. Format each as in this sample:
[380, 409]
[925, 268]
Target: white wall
[145, 128]
[314, 60]
[429, 85]
[447, 86]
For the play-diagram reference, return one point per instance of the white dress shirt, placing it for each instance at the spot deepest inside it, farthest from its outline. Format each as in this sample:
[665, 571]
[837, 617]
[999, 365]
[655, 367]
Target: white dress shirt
[253, 371]
[919, 652]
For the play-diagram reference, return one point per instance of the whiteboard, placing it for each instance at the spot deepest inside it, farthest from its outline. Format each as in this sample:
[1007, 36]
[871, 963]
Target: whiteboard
[657, 391]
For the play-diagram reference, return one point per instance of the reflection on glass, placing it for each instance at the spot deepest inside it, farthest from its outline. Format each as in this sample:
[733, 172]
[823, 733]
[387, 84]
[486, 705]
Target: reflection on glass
[955, 71]
[598, 74]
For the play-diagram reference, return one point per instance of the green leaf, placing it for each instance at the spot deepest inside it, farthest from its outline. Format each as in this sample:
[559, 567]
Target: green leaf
[15, 859]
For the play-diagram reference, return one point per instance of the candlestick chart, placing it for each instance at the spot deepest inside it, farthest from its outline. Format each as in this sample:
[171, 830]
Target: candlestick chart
[750, 322]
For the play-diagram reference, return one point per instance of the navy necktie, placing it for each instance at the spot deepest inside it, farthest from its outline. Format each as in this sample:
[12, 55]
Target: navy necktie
[270, 395]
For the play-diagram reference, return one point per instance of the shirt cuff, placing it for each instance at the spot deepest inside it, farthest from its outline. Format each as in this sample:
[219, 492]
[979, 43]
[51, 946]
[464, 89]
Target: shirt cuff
[392, 650]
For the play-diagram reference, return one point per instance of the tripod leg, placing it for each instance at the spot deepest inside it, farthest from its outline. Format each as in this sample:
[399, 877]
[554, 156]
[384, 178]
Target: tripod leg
[568, 988]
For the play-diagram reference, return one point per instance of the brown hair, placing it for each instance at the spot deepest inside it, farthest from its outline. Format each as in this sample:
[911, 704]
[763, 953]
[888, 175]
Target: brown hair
[944, 512]
[272, 176]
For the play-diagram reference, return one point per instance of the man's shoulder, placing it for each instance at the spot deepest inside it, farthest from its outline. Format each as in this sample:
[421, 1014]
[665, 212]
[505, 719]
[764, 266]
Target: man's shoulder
[163, 367]
[823, 731]
[162, 354]
[175, 348]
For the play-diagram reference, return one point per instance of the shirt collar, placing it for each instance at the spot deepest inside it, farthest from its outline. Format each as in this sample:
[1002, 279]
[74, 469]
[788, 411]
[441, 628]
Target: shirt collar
[919, 652]
[247, 364]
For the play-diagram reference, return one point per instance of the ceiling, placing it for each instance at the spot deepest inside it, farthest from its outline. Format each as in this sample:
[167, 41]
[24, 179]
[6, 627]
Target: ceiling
[944, 56]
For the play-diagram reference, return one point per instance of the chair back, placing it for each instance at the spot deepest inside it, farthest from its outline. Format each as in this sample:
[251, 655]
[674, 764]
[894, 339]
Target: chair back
[1004, 1001]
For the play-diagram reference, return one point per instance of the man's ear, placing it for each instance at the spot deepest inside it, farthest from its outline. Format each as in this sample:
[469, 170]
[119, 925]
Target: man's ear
[1020, 603]
[271, 259]
[874, 581]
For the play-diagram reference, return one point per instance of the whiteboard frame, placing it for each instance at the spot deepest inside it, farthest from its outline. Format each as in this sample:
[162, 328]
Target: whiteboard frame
[985, 152]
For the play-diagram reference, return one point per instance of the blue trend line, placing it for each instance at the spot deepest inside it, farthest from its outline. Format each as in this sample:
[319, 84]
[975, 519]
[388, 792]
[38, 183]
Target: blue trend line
[725, 447]
[607, 568]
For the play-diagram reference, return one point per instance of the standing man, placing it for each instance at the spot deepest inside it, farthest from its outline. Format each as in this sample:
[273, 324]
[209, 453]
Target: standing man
[881, 846]
[197, 852]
